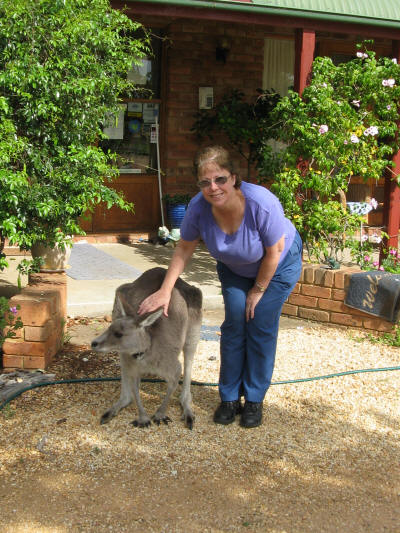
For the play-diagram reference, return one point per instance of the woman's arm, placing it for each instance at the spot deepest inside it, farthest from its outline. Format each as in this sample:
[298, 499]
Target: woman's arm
[183, 252]
[265, 273]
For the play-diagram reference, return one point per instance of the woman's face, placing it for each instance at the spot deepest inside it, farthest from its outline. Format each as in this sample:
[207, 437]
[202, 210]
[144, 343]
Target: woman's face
[216, 184]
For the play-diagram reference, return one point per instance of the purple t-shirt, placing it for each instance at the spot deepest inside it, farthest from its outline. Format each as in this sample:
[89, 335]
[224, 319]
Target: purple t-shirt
[263, 224]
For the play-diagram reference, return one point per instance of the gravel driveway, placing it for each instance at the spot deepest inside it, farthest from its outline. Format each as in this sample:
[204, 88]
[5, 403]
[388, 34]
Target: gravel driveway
[326, 459]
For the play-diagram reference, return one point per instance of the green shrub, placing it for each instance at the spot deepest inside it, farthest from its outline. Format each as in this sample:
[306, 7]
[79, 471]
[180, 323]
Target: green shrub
[63, 68]
[344, 125]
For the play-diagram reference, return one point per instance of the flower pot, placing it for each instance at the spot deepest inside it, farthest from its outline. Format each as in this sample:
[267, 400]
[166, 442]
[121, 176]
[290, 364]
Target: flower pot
[55, 258]
[176, 213]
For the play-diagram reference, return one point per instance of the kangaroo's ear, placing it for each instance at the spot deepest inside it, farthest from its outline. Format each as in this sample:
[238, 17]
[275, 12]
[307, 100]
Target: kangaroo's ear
[120, 305]
[151, 318]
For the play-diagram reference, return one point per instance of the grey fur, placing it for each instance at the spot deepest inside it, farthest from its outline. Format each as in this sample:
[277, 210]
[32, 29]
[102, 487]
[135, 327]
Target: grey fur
[151, 344]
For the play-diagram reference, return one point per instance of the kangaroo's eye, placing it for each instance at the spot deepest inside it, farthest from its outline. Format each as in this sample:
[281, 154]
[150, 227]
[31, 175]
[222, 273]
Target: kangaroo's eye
[117, 334]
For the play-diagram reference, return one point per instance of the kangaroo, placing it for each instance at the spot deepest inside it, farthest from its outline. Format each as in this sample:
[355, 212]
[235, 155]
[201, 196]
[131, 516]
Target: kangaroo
[151, 344]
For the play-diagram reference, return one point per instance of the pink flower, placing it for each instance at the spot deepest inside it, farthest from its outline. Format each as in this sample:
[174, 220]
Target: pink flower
[367, 258]
[323, 129]
[13, 310]
[375, 263]
[381, 268]
[393, 252]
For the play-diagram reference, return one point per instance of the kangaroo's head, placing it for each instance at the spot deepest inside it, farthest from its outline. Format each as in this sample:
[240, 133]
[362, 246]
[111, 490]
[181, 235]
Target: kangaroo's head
[127, 335]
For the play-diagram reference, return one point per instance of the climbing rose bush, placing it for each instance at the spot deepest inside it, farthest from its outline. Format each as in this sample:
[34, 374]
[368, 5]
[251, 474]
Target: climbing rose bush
[344, 125]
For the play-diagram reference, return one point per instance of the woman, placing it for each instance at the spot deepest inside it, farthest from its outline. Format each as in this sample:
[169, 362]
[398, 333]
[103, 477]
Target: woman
[258, 253]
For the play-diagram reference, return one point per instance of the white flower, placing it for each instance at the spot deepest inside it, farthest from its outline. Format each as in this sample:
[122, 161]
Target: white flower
[364, 238]
[389, 83]
[354, 139]
[362, 55]
[394, 60]
[373, 203]
[356, 103]
[323, 129]
[372, 130]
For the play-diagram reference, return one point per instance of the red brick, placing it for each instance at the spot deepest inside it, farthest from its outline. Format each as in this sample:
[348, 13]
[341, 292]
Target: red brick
[35, 308]
[13, 361]
[338, 294]
[377, 324]
[343, 274]
[299, 299]
[297, 289]
[36, 362]
[20, 347]
[346, 320]
[39, 333]
[316, 290]
[18, 333]
[331, 305]
[309, 273]
[324, 277]
[289, 309]
[313, 314]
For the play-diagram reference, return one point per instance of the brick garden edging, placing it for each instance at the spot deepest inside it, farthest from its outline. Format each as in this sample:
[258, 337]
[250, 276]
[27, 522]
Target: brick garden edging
[319, 295]
[43, 311]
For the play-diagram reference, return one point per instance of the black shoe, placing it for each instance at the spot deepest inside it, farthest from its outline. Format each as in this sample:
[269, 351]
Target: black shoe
[226, 412]
[251, 414]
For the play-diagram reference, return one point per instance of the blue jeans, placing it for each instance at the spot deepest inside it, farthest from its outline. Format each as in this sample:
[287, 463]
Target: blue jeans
[248, 348]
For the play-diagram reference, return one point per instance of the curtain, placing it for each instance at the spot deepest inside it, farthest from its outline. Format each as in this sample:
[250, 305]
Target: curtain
[278, 65]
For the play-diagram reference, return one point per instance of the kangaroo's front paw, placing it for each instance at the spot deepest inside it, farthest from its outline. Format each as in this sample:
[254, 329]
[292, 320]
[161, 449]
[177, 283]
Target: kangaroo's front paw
[165, 419]
[141, 423]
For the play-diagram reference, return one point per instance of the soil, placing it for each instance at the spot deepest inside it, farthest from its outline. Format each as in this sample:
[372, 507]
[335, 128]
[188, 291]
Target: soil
[326, 458]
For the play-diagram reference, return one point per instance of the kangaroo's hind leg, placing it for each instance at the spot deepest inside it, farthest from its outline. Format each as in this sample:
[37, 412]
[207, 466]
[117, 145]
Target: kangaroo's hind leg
[189, 351]
[172, 383]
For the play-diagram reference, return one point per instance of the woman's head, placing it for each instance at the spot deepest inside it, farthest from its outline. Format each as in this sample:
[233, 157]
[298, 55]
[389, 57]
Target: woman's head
[219, 156]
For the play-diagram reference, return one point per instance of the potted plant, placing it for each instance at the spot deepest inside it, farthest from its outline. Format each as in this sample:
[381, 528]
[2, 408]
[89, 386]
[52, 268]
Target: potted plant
[176, 205]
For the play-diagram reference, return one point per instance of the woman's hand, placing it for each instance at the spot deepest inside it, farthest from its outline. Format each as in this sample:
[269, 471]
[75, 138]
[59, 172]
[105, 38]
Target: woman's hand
[253, 297]
[156, 300]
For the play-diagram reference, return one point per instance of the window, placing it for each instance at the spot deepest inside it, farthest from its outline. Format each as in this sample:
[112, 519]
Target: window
[132, 136]
[278, 65]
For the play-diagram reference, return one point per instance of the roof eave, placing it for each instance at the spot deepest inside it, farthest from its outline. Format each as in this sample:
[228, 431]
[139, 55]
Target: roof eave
[246, 7]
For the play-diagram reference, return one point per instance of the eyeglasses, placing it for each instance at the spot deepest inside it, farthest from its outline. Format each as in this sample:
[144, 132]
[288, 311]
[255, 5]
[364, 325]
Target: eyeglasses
[220, 180]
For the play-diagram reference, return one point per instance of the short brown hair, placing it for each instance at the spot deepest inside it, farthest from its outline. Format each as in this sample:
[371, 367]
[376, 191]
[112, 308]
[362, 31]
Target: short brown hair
[219, 156]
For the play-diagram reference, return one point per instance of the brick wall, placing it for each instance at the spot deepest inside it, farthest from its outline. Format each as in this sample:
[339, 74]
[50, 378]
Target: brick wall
[190, 64]
[43, 311]
[319, 295]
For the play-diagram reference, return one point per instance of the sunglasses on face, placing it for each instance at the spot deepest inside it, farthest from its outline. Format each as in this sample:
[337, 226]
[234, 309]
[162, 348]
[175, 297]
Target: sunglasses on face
[220, 180]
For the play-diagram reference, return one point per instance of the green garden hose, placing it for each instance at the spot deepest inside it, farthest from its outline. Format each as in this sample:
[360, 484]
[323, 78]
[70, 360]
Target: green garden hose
[199, 383]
